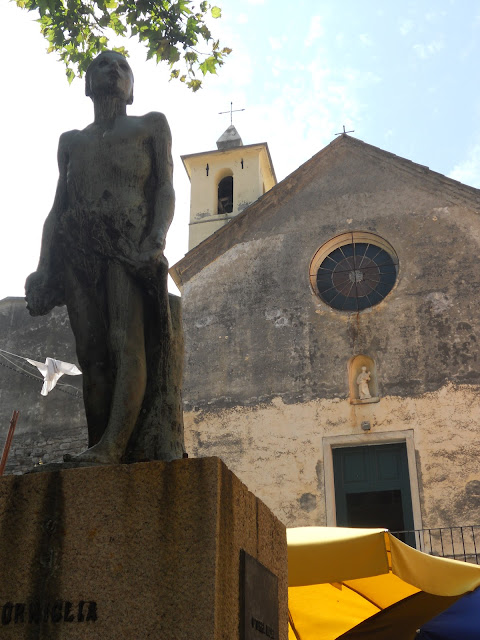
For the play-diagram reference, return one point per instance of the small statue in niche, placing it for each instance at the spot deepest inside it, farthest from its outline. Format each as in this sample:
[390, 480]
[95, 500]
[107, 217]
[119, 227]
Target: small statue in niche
[363, 379]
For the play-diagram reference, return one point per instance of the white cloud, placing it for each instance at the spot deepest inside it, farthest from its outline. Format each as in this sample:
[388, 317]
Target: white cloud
[242, 18]
[307, 110]
[359, 79]
[315, 32]
[468, 171]
[406, 26]
[277, 43]
[365, 39]
[425, 51]
[431, 16]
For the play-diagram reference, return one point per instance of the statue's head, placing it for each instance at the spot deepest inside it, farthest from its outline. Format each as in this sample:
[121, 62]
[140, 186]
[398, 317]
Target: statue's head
[109, 74]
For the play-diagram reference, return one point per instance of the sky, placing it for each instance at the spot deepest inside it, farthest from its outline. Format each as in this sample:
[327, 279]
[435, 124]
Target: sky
[403, 75]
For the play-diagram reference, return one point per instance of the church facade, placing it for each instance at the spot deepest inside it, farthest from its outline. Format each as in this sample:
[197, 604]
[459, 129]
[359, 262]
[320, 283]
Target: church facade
[332, 356]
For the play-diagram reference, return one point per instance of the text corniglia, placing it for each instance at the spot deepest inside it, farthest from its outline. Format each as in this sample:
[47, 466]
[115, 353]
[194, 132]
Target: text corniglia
[36, 612]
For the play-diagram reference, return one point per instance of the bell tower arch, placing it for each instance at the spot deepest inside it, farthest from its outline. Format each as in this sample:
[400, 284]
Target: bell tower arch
[224, 182]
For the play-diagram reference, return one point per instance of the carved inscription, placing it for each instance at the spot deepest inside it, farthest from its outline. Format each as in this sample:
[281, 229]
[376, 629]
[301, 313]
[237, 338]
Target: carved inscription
[36, 612]
[260, 626]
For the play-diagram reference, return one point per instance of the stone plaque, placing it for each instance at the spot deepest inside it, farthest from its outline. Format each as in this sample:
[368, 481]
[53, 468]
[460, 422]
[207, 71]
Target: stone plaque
[258, 600]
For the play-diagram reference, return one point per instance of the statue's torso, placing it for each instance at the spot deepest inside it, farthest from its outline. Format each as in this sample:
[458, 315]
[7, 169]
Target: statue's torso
[109, 173]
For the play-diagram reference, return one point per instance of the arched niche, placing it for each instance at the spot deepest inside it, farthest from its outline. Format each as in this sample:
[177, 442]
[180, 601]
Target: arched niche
[225, 192]
[370, 380]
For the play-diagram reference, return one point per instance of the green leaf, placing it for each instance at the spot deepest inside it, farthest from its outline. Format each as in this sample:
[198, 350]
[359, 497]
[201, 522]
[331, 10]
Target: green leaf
[194, 85]
[208, 65]
[216, 12]
[70, 75]
[122, 51]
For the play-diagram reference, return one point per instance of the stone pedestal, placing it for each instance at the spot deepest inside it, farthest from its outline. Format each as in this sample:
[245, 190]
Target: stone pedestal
[151, 550]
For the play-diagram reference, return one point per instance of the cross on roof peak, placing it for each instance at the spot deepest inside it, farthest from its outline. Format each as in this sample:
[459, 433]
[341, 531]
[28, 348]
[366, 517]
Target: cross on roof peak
[343, 133]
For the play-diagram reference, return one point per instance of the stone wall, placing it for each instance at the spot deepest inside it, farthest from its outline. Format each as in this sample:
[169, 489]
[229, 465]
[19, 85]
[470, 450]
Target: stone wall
[30, 449]
[47, 426]
[255, 330]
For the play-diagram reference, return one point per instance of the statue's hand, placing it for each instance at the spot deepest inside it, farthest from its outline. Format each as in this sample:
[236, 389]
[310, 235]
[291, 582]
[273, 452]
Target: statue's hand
[41, 295]
[152, 253]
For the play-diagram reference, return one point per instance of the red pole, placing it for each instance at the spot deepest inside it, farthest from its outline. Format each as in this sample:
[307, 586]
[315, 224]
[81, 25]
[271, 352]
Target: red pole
[8, 442]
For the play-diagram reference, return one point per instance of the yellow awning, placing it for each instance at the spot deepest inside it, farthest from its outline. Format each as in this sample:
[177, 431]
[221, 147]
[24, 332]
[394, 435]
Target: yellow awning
[365, 583]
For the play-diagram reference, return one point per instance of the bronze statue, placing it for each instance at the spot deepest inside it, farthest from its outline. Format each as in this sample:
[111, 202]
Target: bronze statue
[102, 256]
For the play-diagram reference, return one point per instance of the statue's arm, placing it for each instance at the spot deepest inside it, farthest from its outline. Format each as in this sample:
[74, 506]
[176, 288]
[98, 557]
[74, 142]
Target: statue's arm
[47, 251]
[163, 195]
[44, 287]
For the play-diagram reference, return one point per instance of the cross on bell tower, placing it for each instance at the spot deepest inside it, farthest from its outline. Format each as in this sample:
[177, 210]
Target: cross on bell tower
[232, 111]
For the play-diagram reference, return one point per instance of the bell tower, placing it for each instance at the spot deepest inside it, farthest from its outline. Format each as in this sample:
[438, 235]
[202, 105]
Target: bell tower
[224, 182]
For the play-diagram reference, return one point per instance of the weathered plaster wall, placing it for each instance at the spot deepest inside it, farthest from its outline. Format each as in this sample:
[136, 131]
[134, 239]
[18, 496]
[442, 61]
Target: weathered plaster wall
[276, 449]
[267, 360]
[254, 305]
[47, 426]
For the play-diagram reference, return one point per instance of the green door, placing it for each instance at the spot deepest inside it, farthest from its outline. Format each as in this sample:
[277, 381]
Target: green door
[372, 487]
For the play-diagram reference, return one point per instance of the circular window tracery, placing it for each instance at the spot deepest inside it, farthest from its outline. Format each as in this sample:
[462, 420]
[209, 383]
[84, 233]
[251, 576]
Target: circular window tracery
[354, 271]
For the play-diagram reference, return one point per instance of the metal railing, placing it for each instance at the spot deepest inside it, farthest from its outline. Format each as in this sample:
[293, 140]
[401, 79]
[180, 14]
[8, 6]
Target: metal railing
[459, 543]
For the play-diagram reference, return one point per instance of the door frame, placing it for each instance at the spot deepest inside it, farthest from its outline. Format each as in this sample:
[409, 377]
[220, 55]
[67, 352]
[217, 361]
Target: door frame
[388, 437]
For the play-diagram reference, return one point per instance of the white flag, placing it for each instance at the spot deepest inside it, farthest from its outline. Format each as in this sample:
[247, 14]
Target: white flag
[52, 371]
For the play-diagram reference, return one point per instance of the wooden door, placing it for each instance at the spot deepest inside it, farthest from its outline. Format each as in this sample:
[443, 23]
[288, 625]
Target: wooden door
[372, 487]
